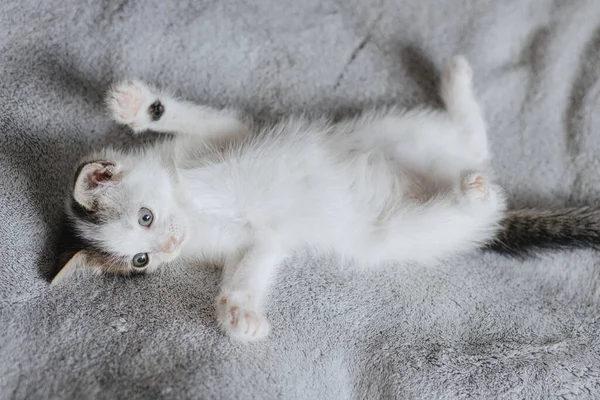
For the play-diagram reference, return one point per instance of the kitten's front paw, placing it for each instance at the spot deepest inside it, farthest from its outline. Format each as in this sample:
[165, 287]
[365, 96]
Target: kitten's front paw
[133, 103]
[238, 317]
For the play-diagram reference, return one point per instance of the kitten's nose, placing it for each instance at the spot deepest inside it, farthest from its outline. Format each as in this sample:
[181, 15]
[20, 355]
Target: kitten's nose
[171, 245]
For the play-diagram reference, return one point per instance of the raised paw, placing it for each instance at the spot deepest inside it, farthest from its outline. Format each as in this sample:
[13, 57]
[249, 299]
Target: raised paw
[239, 318]
[458, 71]
[457, 82]
[474, 186]
[133, 103]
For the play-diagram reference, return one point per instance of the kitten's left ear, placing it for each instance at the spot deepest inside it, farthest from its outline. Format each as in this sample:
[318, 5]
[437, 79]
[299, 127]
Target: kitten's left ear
[92, 179]
[82, 261]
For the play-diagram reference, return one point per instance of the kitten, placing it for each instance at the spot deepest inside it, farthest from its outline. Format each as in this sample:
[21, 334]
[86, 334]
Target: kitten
[388, 186]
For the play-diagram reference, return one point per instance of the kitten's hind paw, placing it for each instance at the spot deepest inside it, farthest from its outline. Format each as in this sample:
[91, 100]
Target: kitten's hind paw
[457, 82]
[238, 318]
[133, 103]
[458, 72]
[474, 186]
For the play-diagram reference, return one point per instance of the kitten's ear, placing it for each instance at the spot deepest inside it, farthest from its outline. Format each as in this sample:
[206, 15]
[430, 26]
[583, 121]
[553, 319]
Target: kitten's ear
[79, 262]
[91, 179]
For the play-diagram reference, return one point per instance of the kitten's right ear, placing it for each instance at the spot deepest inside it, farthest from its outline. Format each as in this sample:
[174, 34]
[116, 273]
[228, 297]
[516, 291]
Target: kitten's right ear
[77, 263]
[91, 179]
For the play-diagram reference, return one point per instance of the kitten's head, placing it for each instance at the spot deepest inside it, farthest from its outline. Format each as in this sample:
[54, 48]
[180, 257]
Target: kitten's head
[125, 215]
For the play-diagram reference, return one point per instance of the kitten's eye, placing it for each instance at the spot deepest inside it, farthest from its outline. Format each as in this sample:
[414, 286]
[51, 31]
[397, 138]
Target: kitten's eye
[145, 217]
[140, 260]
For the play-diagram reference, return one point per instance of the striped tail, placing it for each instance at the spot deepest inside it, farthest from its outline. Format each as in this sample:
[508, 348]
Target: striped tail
[529, 230]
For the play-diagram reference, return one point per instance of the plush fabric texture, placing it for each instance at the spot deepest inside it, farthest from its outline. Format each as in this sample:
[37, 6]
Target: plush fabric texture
[482, 326]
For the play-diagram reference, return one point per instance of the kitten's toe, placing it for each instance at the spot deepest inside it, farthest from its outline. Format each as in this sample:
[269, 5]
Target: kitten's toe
[239, 319]
[474, 186]
[133, 103]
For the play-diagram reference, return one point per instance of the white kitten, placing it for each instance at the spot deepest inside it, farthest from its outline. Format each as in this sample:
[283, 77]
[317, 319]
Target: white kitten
[387, 186]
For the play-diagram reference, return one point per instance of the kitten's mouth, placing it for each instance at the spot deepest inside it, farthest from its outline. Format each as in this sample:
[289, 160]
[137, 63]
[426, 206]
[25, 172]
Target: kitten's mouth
[180, 241]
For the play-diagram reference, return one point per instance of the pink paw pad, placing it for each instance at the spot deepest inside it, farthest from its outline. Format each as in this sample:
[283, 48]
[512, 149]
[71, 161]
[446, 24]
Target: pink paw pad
[129, 103]
[475, 186]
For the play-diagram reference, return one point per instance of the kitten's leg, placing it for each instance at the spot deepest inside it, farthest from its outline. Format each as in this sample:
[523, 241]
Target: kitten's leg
[462, 105]
[437, 143]
[246, 280]
[452, 223]
[142, 108]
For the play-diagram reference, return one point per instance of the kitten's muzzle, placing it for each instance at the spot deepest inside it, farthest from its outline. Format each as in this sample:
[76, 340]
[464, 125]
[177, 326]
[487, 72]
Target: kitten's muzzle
[172, 244]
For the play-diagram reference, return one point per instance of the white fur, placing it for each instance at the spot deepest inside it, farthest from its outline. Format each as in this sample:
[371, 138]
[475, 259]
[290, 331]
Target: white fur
[386, 186]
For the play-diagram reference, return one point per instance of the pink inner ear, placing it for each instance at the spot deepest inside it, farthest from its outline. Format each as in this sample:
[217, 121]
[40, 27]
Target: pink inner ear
[91, 176]
[101, 175]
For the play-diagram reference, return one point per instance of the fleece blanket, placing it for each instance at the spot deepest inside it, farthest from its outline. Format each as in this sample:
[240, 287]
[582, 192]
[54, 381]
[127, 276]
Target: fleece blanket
[480, 326]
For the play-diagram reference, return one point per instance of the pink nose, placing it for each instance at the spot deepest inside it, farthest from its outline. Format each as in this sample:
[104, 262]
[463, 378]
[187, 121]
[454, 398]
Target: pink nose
[171, 245]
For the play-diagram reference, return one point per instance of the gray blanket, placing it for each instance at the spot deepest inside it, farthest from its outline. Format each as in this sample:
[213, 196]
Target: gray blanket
[482, 326]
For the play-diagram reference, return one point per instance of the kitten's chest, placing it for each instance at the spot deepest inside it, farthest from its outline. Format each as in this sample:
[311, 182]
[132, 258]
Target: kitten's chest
[216, 223]
[210, 191]
[215, 237]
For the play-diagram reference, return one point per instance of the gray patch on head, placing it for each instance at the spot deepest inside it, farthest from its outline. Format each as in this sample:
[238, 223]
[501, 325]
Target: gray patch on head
[71, 242]
[84, 224]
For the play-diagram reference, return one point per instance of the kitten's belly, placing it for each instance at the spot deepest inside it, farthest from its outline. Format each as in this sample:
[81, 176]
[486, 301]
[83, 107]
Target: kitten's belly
[305, 196]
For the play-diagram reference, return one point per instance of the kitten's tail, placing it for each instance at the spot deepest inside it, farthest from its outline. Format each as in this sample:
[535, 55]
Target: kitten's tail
[525, 231]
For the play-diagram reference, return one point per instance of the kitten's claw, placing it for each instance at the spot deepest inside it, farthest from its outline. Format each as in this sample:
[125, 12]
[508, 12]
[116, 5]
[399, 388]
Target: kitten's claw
[131, 103]
[474, 186]
[238, 318]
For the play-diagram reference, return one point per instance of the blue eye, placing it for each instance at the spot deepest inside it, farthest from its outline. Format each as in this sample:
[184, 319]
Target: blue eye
[140, 260]
[145, 217]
